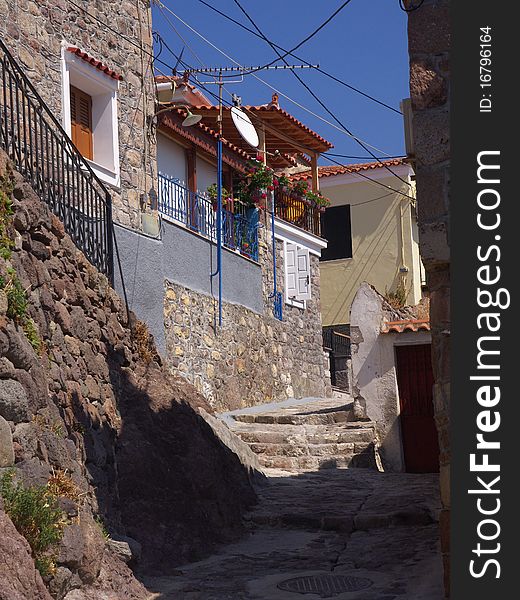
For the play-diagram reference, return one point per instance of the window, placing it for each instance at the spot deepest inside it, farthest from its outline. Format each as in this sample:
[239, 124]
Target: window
[336, 229]
[81, 121]
[297, 274]
[89, 100]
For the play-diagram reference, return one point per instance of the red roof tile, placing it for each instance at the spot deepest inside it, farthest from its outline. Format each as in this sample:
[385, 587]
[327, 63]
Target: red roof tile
[406, 325]
[328, 171]
[95, 63]
[188, 133]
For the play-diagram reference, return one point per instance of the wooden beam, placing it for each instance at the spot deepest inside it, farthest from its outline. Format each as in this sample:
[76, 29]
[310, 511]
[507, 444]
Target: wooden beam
[314, 172]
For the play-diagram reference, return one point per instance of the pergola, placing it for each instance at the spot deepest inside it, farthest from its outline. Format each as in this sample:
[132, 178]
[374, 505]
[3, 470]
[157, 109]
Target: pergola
[282, 137]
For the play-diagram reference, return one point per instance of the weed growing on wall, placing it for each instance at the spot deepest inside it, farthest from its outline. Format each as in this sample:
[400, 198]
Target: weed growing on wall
[36, 516]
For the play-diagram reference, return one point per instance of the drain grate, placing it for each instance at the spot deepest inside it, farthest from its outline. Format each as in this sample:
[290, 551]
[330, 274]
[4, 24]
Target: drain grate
[326, 586]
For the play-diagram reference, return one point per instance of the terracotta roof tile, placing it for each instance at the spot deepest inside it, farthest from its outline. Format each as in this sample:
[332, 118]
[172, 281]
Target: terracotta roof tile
[406, 325]
[95, 63]
[329, 171]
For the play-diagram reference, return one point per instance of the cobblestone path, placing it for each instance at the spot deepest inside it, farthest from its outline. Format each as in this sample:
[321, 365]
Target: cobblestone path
[344, 534]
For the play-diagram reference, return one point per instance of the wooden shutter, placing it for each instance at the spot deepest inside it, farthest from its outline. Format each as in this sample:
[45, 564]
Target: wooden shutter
[303, 268]
[81, 122]
[291, 280]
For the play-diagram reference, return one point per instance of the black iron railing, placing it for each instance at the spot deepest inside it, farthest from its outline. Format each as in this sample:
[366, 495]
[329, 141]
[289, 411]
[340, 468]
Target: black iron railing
[198, 213]
[45, 155]
[296, 211]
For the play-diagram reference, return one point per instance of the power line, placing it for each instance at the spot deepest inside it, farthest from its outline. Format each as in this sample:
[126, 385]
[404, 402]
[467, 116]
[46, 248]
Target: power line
[321, 103]
[320, 70]
[273, 129]
[156, 59]
[279, 92]
[359, 157]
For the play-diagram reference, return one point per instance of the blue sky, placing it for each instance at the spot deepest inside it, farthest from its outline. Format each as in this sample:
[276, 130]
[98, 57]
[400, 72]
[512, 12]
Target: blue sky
[365, 45]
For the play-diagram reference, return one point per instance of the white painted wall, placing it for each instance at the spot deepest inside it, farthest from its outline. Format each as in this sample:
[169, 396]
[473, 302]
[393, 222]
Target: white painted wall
[374, 370]
[206, 175]
[171, 158]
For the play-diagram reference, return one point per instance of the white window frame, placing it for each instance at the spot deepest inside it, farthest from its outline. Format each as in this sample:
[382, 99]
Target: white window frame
[103, 90]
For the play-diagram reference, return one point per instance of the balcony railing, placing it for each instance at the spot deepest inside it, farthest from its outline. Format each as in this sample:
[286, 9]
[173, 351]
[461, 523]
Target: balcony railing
[44, 154]
[198, 213]
[297, 211]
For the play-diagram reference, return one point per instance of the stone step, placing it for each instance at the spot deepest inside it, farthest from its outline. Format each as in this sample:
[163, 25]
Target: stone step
[365, 460]
[297, 450]
[328, 418]
[306, 437]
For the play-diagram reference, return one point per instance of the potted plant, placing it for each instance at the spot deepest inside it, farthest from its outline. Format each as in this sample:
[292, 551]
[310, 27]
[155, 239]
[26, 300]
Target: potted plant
[318, 200]
[227, 198]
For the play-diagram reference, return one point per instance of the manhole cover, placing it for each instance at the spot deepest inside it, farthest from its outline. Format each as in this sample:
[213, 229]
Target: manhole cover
[326, 586]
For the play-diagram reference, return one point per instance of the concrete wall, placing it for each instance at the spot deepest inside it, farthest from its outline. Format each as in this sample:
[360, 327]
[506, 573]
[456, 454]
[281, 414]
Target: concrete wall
[429, 48]
[374, 371]
[171, 158]
[34, 30]
[184, 258]
[382, 241]
[206, 175]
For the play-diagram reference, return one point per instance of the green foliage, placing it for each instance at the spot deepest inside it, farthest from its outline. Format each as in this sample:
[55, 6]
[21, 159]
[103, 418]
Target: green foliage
[212, 192]
[102, 526]
[34, 513]
[6, 211]
[16, 296]
[397, 299]
[32, 334]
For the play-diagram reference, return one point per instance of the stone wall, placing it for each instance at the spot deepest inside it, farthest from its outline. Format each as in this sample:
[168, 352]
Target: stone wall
[429, 48]
[254, 358]
[33, 31]
[84, 393]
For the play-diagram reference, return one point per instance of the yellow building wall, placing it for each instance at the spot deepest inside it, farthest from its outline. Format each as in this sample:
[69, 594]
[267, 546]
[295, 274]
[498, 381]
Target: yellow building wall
[383, 240]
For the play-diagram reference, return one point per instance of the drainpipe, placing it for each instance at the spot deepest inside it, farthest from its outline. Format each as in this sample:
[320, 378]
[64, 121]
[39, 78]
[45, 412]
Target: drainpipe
[276, 295]
[219, 205]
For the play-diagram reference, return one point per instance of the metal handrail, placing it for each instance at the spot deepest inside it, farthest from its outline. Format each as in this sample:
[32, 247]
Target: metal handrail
[45, 155]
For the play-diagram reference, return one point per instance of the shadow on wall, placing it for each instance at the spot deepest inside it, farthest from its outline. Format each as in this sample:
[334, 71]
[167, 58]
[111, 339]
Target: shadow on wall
[164, 479]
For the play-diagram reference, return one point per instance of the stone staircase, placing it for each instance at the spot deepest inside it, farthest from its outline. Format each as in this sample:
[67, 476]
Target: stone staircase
[307, 435]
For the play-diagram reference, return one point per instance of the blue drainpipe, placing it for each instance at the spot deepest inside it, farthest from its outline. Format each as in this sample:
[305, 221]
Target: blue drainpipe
[276, 295]
[219, 229]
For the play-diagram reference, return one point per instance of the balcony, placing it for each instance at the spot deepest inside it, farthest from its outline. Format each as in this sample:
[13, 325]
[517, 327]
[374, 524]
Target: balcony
[198, 213]
[297, 212]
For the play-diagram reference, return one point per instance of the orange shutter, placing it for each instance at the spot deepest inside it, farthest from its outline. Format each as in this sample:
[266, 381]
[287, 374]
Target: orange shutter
[81, 121]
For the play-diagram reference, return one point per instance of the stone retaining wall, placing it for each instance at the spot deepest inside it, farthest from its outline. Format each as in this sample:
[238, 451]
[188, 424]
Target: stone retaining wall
[254, 358]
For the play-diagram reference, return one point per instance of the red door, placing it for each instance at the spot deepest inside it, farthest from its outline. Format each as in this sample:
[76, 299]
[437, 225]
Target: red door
[418, 430]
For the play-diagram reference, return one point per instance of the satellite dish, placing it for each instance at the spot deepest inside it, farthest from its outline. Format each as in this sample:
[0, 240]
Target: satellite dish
[245, 128]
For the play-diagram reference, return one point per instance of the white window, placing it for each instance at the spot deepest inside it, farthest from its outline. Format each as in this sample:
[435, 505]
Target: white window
[78, 76]
[297, 274]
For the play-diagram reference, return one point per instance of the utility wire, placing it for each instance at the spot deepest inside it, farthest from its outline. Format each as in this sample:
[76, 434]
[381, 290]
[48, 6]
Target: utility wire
[280, 93]
[255, 117]
[209, 92]
[320, 70]
[320, 102]
[359, 157]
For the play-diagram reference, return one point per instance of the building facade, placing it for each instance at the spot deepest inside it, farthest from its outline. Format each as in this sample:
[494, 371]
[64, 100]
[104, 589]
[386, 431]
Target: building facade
[222, 324]
[91, 63]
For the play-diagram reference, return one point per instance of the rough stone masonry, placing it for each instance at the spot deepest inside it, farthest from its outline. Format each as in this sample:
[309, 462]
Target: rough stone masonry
[254, 358]
[112, 32]
[93, 402]
[429, 49]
